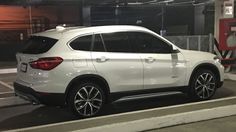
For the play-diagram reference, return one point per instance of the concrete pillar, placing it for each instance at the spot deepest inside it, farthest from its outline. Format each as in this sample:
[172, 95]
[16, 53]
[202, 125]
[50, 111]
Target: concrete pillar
[86, 11]
[199, 20]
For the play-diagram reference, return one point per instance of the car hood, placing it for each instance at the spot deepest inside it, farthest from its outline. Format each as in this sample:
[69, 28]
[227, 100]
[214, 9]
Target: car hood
[197, 55]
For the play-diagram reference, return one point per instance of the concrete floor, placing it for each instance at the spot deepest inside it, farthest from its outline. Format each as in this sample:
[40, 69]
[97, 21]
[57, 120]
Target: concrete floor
[227, 124]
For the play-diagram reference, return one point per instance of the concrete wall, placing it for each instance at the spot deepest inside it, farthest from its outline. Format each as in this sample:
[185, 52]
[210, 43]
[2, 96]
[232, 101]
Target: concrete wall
[8, 50]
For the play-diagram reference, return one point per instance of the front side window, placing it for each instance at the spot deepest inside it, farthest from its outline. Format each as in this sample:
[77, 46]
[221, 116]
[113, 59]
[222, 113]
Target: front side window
[82, 43]
[118, 42]
[147, 43]
[130, 42]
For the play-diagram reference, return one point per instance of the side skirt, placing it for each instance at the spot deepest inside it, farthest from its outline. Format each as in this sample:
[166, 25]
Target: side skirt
[128, 95]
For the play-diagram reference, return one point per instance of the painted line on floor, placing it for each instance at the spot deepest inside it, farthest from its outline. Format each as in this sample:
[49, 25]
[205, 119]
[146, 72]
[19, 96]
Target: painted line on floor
[7, 98]
[12, 101]
[151, 123]
[231, 76]
[7, 94]
[165, 121]
[6, 71]
[6, 85]
[10, 92]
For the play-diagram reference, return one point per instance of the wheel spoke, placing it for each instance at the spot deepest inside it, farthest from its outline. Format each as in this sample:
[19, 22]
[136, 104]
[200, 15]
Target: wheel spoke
[202, 77]
[97, 107]
[81, 96]
[203, 93]
[211, 89]
[85, 108]
[99, 100]
[91, 108]
[207, 91]
[91, 90]
[95, 95]
[198, 81]
[198, 87]
[209, 80]
[81, 107]
[86, 91]
[206, 77]
[79, 101]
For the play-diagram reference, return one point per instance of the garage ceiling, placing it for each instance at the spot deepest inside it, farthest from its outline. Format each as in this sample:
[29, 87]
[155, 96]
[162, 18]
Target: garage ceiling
[104, 2]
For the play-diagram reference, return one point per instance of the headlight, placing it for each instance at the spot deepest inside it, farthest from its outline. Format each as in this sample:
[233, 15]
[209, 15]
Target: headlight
[216, 58]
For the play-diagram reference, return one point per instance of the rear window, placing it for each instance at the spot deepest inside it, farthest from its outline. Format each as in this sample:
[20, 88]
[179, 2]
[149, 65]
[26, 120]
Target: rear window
[38, 45]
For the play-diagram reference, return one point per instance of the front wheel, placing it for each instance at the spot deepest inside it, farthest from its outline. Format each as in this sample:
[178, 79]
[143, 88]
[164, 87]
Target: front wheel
[203, 85]
[86, 99]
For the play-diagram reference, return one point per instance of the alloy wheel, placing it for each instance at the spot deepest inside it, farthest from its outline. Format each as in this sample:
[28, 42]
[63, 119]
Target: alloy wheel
[205, 85]
[88, 101]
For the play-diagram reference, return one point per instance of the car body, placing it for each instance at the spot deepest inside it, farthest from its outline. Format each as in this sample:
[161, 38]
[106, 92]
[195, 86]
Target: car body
[67, 65]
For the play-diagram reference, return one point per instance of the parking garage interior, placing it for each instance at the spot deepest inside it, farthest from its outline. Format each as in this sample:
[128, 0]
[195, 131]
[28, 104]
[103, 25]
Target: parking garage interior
[190, 24]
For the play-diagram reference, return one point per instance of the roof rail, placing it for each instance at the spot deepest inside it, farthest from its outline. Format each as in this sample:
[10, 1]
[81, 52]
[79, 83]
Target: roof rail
[60, 27]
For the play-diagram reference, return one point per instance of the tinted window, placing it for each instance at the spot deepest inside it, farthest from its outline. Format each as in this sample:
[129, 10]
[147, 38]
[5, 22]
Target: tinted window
[82, 43]
[147, 43]
[117, 42]
[38, 45]
[98, 43]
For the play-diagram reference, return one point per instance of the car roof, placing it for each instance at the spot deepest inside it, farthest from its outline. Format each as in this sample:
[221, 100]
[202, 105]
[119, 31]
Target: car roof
[75, 31]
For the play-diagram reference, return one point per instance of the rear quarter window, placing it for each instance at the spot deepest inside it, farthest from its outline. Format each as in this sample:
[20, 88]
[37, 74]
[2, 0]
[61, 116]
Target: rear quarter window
[38, 45]
[82, 43]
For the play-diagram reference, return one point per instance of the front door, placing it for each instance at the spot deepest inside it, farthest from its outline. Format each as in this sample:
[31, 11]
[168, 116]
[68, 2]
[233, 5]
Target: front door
[162, 67]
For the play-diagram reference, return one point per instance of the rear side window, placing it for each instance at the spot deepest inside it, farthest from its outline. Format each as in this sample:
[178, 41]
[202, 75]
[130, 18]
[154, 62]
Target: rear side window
[82, 43]
[38, 45]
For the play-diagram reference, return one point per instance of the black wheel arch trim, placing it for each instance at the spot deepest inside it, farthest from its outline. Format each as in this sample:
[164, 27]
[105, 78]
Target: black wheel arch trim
[87, 77]
[207, 66]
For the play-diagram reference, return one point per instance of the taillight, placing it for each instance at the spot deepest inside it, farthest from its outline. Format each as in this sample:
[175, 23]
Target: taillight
[46, 63]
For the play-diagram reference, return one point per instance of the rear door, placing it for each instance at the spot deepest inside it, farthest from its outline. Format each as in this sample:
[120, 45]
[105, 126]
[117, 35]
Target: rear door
[115, 59]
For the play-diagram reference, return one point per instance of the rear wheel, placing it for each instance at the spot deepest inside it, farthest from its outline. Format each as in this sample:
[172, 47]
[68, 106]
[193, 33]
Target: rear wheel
[203, 85]
[86, 99]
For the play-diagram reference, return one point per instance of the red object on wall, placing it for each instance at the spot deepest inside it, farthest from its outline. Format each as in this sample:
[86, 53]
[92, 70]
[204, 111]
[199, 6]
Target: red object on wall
[227, 38]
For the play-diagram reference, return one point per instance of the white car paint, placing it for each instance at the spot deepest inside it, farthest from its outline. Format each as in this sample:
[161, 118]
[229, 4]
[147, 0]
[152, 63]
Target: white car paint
[122, 71]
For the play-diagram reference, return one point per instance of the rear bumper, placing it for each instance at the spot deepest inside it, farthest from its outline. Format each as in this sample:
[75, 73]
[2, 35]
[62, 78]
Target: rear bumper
[35, 97]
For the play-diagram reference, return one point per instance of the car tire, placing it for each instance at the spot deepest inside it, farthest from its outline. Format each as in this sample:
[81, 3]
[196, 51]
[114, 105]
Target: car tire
[86, 99]
[202, 85]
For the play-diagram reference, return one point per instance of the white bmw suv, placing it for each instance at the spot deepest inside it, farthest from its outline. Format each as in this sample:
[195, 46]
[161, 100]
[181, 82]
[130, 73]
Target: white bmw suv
[87, 67]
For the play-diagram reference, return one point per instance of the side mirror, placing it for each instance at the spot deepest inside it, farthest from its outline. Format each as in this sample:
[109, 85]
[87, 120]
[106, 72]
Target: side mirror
[170, 49]
[173, 49]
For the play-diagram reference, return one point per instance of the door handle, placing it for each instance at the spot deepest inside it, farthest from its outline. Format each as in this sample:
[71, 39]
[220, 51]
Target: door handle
[150, 59]
[102, 59]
